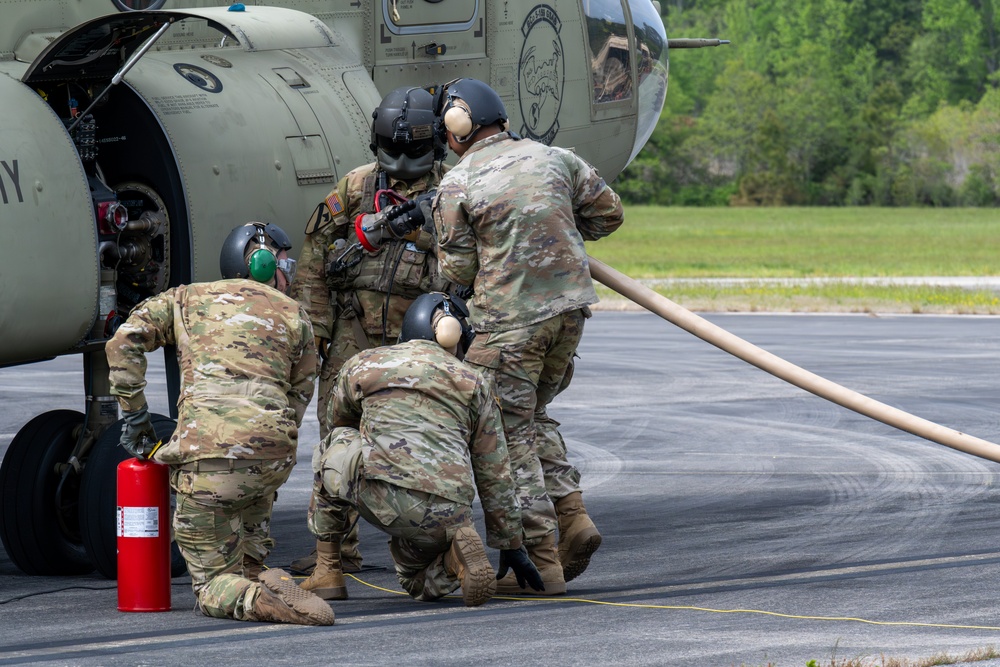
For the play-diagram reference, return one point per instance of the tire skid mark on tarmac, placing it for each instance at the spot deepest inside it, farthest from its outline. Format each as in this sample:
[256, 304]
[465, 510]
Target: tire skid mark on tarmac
[810, 576]
[597, 465]
[916, 475]
[915, 487]
[919, 489]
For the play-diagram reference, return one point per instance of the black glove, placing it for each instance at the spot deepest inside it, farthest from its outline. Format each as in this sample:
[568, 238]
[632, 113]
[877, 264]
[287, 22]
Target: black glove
[410, 215]
[396, 222]
[138, 436]
[524, 570]
[463, 292]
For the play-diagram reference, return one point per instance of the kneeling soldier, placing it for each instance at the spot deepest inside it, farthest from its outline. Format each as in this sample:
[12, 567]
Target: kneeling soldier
[417, 432]
[247, 360]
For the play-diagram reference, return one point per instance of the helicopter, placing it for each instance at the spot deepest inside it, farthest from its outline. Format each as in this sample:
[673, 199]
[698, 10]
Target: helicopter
[137, 133]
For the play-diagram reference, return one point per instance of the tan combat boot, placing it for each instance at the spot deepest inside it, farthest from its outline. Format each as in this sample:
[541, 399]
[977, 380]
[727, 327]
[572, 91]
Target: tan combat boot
[327, 579]
[546, 559]
[466, 561]
[281, 601]
[252, 567]
[350, 556]
[578, 536]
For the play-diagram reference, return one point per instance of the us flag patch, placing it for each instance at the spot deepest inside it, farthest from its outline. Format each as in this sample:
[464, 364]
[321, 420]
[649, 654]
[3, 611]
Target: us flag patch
[334, 204]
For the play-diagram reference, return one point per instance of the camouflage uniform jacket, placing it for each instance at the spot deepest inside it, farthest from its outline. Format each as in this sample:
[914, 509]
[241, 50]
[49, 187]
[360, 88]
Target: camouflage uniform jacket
[511, 219]
[431, 423]
[415, 264]
[247, 362]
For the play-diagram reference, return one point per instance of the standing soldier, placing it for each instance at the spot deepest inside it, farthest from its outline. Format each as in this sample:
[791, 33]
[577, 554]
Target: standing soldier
[511, 218]
[247, 362]
[356, 295]
[417, 483]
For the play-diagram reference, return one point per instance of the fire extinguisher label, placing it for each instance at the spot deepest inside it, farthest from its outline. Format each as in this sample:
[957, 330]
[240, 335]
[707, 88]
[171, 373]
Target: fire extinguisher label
[138, 522]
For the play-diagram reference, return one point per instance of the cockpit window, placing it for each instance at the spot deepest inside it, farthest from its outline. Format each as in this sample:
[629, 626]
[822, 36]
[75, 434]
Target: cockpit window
[651, 63]
[137, 5]
[650, 40]
[611, 59]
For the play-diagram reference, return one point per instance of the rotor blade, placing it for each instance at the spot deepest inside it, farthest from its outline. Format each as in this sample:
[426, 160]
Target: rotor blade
[787, 371]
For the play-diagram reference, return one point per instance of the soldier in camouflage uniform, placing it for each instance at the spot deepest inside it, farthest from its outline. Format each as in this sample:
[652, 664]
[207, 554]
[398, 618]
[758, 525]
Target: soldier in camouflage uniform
[248, 363]
[417, 483]
[355, 298]
[511, 218]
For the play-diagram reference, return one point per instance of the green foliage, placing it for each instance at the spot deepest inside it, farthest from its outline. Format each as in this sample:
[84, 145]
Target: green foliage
[825, 102]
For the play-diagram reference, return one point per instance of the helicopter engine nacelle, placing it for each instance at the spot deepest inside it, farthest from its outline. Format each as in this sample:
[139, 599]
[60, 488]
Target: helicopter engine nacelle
[48, 241]
[238, 116]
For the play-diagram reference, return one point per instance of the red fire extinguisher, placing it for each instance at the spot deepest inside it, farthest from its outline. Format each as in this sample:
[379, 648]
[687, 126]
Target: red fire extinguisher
[143, 536]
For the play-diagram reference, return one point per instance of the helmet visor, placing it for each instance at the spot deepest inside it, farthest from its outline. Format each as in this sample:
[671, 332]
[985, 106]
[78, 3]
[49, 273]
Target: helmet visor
[411, 149]
[406, 168]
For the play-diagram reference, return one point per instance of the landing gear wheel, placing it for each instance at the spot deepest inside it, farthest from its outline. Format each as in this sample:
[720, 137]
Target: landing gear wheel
[38, 508]
[99, 499]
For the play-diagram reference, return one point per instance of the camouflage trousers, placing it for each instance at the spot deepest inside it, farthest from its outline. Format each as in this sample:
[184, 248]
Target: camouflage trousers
[343, 346]
[530, 366]
[220, 516]
[321, 522]
[420, 525]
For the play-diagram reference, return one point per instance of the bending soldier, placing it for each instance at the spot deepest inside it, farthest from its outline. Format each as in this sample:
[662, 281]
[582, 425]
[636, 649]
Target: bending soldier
[248, 363]
[356, 298]
[417, 483]
[511, 218]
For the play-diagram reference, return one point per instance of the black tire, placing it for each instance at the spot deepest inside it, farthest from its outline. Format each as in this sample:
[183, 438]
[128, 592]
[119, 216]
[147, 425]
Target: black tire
[99, 499]
[41, 535]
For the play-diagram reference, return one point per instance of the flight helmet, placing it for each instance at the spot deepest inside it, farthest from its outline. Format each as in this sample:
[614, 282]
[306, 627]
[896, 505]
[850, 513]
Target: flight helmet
[251, 251]
[440, 317]
[469, 105]
[403, 138]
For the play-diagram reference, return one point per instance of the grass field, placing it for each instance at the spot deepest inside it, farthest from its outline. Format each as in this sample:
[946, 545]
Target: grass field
[757, 244]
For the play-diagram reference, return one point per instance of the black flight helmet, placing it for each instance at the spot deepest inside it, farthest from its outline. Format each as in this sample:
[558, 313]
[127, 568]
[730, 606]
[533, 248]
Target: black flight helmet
[251, 251]
[403, 138]
[470, 104]
[419, 321]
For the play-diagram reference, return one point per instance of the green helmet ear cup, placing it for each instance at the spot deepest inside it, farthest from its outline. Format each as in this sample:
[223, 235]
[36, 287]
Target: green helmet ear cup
[262, 265]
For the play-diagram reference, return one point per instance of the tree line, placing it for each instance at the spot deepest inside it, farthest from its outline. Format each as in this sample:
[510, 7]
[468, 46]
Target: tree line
[829, 103]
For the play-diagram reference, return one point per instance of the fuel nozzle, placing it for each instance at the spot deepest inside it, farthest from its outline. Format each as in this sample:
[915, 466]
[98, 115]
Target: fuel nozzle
[402, 221]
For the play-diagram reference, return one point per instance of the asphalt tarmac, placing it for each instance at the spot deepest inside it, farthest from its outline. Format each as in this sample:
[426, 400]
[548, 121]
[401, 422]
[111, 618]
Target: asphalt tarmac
[745, 521]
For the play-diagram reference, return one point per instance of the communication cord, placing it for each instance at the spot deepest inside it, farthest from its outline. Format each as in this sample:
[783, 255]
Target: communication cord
[632, 605]
[636, 605]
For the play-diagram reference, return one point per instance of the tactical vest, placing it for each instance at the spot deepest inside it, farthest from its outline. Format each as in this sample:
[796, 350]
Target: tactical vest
[403, 268]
